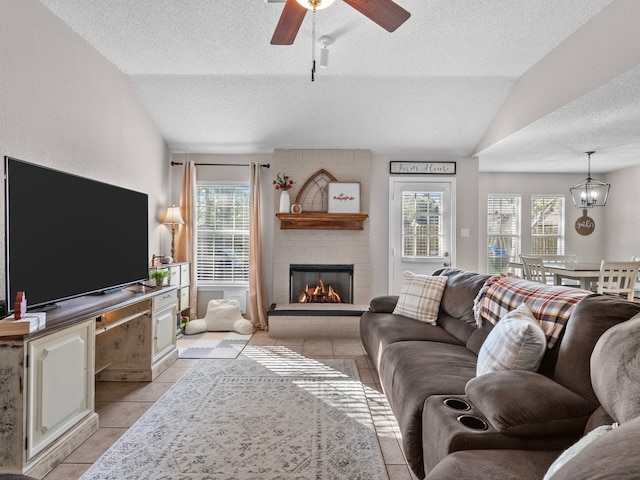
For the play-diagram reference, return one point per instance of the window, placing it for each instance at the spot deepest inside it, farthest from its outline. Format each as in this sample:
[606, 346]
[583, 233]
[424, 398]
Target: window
[503, 231]
[422, 224]
[222, 251]
[547, 224]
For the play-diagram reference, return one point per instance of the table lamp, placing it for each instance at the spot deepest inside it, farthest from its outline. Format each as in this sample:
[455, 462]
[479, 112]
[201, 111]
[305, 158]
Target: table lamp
[173, 218]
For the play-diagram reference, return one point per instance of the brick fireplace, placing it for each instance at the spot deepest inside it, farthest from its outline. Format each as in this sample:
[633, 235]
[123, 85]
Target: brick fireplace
[320, 247]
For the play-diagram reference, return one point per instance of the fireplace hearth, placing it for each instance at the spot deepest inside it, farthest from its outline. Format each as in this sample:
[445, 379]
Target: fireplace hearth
[320, 283]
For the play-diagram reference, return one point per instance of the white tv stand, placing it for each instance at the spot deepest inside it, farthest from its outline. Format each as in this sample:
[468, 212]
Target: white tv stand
[47, 378]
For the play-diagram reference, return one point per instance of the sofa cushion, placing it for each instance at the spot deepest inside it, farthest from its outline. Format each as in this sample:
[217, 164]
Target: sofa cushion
[377, 330]
[592, 316]
[611, 456]
[462, 288]
[550, 305]
[516, 343]
[383, 304]
[410, 372]
[459, 329]
[615, 370]
[576, 448]
[420, 297]
[517, 402]
[493, 465]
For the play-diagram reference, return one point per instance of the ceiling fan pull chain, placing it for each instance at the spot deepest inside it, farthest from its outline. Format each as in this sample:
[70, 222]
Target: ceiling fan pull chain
[313, 44]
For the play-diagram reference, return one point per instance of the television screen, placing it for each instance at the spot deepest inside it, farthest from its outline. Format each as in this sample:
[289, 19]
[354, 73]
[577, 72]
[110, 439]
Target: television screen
[68, 236]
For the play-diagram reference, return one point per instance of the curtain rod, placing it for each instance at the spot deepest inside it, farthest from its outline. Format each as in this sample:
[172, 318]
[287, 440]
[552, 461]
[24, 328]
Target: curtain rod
[263, 165]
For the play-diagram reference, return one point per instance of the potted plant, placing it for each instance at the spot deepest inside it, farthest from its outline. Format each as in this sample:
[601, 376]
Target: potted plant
[159, 274]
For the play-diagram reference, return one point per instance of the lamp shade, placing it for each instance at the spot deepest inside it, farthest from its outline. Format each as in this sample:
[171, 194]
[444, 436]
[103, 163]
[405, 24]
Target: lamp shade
[173, 216]
[324, 57]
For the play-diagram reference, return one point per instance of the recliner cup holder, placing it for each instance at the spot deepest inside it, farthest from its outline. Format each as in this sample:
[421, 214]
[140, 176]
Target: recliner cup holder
[473, 423]
[457, 404]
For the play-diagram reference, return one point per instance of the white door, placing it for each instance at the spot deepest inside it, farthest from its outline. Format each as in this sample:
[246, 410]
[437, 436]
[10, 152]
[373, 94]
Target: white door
[421, 226]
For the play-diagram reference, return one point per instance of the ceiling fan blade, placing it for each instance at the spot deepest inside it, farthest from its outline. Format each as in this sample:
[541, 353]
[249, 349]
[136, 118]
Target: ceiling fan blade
[386, 13]
[289, 23]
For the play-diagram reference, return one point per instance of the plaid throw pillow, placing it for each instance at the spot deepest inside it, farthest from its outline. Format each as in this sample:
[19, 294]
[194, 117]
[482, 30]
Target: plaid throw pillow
[516, 343]
[551, 306]
[420, 297]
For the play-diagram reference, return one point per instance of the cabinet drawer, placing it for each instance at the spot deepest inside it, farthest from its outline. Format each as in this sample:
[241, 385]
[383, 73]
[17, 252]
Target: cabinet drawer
[184, 298]
[122, 315]
[185, 274]
[174, 275]
[164, 300]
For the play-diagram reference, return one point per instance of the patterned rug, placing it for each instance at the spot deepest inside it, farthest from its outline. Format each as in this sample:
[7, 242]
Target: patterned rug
[269, 415]
[212, 345]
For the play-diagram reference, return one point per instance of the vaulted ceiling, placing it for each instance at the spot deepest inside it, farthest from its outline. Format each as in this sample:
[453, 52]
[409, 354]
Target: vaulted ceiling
[525, 85]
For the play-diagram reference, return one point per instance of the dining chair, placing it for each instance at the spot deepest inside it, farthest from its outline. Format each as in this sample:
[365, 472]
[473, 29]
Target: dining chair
[533, 268]
[618, 278]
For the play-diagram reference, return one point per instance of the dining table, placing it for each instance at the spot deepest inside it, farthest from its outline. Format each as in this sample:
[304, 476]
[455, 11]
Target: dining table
[586, 273]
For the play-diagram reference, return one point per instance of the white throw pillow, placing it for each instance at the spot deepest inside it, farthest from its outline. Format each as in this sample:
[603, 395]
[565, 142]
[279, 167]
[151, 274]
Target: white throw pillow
[420, 297]
[517, 342]
[576, 448]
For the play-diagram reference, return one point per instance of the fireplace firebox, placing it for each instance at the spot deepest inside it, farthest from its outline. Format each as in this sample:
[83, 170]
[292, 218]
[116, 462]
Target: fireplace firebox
[320, 283]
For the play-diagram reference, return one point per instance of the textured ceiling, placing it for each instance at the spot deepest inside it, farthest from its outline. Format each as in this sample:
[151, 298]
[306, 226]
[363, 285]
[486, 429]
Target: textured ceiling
[212, 82]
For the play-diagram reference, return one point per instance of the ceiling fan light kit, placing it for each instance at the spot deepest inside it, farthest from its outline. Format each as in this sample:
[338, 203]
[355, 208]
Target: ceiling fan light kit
[315, 4]
[324, 41]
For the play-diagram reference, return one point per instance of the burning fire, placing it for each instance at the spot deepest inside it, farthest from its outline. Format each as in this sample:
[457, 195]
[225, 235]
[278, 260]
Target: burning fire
[319, 294]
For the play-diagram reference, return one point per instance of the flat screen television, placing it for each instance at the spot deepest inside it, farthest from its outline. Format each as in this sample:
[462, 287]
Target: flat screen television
[67, 236]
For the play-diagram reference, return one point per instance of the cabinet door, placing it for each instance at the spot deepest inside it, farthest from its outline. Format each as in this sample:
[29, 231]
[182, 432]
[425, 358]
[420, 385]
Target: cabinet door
[185, 298]
[174, 277]
[164, 330]
[60, 383]
[185, 274]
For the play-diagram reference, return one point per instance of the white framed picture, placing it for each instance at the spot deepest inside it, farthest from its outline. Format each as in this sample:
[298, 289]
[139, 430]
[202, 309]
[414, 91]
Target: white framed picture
[344, 197]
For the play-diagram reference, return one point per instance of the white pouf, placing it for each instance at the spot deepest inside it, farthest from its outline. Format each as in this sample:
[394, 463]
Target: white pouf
[222, 316]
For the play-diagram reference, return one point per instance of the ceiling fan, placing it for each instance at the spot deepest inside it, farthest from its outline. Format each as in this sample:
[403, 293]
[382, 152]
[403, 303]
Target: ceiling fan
[386, 13]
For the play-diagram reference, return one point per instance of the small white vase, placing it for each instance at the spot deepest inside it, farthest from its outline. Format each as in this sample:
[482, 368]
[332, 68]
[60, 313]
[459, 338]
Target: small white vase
[285, 202]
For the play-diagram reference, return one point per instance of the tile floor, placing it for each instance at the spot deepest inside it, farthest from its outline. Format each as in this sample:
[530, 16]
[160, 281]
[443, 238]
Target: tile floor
[120, 404]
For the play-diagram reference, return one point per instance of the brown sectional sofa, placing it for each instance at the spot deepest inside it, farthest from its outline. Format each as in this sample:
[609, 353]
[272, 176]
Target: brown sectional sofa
[420, 365]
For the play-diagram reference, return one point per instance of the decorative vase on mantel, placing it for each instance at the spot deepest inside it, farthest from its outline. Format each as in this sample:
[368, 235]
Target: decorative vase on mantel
[285, 202]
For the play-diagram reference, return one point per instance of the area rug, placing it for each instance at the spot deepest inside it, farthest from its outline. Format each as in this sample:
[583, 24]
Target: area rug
[269, 415]
[212, 345]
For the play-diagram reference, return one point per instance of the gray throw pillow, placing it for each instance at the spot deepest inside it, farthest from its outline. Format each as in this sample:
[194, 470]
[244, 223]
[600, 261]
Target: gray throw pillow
[517, 342]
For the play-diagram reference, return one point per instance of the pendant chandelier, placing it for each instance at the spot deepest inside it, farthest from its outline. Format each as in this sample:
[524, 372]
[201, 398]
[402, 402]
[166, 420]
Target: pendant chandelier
[590, 192]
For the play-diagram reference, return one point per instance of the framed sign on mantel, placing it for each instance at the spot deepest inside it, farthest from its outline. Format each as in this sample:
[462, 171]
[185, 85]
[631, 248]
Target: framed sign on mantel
[422, 168]
[344, 197]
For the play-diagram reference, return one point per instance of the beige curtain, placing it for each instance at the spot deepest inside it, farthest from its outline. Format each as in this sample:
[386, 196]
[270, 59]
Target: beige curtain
[186, 241]
[257, 293]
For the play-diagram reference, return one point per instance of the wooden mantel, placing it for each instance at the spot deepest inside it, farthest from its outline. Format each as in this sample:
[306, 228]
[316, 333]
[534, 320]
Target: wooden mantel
[322, 221]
